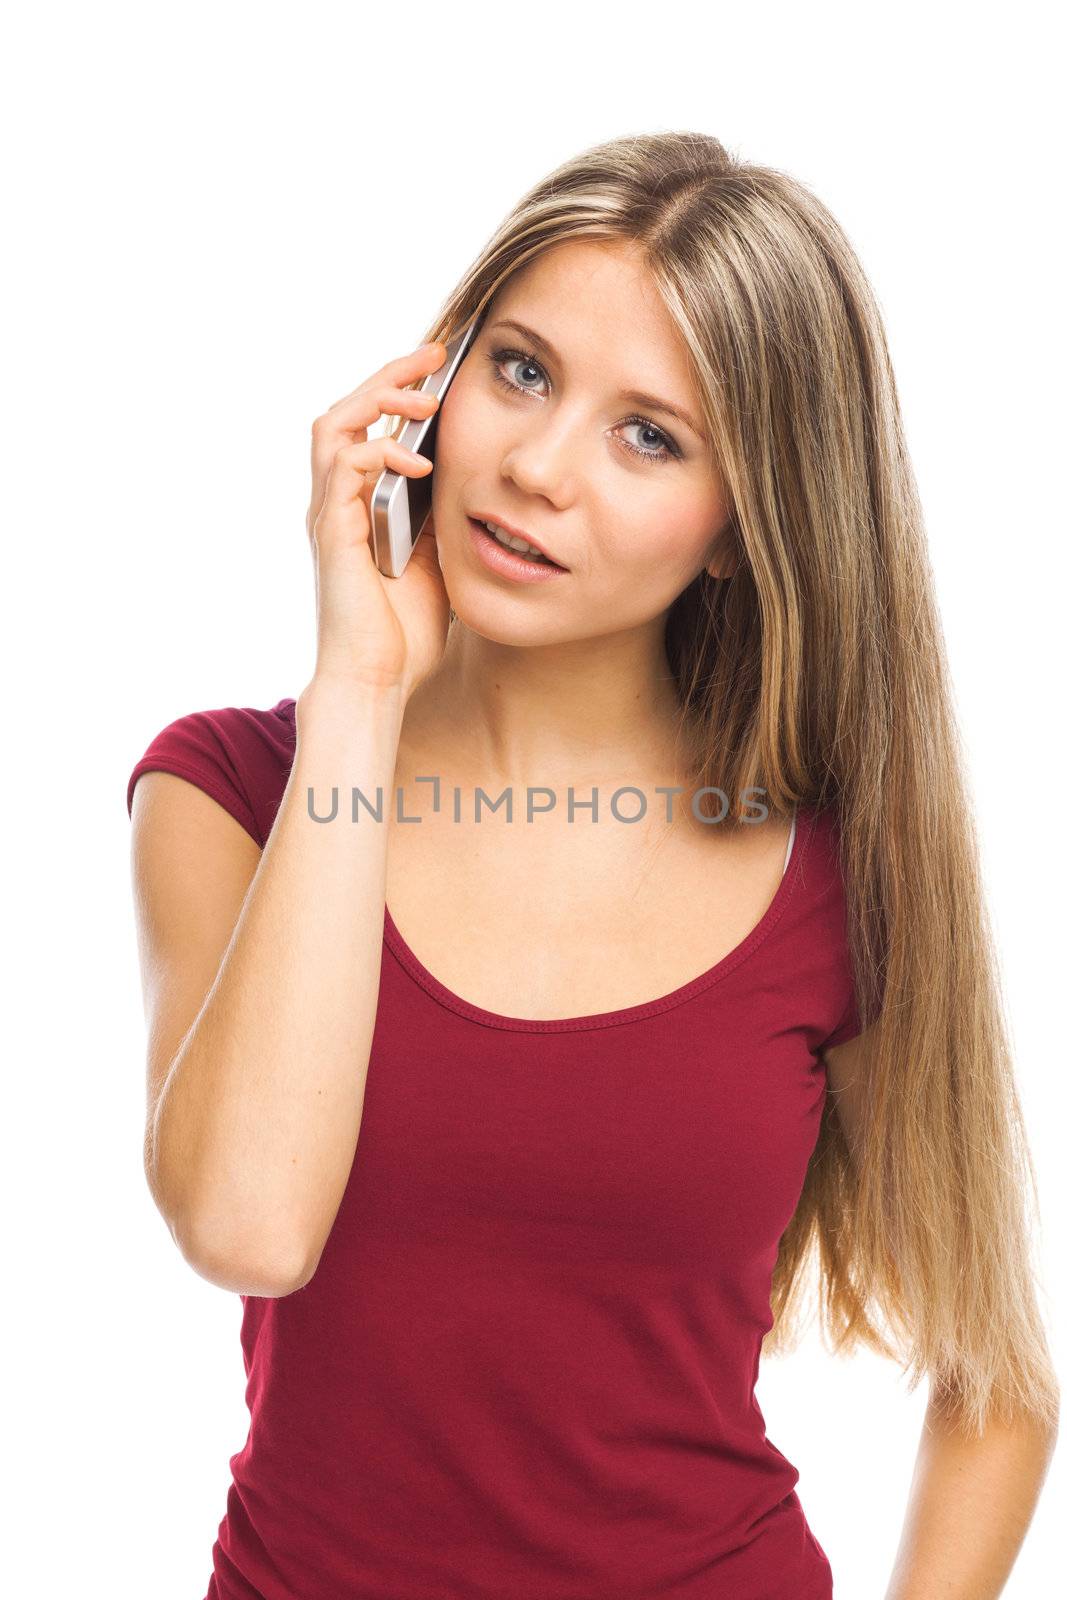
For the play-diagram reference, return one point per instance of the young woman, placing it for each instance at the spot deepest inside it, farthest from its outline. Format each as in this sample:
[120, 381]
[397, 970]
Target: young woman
[518, 1132]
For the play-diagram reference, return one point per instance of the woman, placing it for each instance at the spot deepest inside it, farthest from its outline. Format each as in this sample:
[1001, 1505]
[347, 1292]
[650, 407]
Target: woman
[513, 1217]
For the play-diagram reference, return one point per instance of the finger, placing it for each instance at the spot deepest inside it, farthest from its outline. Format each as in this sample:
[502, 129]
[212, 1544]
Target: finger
[390, 397]
[362, 408]
[359, 412]
[403, 370]
[352, 466]
[424, 552]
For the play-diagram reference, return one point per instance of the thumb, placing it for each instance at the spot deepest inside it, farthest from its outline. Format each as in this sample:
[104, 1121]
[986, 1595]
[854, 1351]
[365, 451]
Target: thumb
[425, 552]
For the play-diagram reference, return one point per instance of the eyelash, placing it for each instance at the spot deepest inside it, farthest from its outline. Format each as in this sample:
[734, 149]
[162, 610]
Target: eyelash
[669, 449]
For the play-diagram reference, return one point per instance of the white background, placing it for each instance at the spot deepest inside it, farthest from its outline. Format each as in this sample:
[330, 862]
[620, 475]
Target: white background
[219, 220]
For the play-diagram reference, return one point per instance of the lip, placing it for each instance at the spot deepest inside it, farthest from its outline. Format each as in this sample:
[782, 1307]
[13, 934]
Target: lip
[504, 563]
[516, 533]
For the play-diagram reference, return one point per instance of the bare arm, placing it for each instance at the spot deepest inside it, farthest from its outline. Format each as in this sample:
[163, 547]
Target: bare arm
[972, 1496]
[256, 1100]
[972, 1500]
[261, 978]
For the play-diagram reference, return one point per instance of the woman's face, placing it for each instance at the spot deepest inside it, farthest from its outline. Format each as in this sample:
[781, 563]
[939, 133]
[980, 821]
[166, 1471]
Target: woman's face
[539, 434]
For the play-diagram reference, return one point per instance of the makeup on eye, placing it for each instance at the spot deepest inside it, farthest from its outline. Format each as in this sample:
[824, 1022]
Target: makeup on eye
[668, 448]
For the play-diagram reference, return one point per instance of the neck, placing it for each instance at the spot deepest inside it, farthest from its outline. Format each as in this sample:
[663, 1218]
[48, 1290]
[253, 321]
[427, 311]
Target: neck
[557, 714]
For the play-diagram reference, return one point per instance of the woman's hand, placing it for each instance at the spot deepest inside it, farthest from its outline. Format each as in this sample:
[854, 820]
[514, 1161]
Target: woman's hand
[373, 631]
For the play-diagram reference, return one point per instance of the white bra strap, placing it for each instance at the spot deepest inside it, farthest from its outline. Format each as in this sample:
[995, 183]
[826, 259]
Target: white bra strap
[792, 836]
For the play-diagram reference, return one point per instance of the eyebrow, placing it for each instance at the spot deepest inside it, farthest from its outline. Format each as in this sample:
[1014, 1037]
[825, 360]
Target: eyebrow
[637, 396]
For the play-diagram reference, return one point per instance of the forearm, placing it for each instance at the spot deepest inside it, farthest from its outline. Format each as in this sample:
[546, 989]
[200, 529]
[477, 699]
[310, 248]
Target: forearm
[257, 1123]
[971, 1502]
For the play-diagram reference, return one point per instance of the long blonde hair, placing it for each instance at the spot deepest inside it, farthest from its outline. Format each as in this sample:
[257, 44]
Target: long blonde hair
[818, 672]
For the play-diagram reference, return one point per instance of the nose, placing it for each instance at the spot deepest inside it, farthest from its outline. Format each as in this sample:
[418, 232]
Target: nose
[543, 458]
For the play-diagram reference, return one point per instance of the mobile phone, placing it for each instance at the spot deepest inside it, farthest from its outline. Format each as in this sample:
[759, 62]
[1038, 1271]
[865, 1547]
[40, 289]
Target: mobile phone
[400, 505]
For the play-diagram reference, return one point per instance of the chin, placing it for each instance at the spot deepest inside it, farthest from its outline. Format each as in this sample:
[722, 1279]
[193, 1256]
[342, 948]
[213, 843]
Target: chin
[501, 619]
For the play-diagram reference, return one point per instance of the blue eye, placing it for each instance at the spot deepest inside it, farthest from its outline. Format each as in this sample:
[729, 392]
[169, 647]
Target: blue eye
[665, 451]
[499, 357]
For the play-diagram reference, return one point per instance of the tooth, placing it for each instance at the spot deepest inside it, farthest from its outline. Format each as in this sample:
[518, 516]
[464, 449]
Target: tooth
[512, 542]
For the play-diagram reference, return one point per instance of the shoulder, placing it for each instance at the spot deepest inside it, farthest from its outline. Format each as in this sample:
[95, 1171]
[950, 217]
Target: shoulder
[239, 755]
[818, 846]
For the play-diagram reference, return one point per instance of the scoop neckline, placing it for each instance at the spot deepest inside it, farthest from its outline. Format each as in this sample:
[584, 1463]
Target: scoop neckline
[805, 825]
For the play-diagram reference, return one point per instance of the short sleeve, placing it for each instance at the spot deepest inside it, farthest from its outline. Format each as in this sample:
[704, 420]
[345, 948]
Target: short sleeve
[201, 747]
[850, 1024]
[848, 1027]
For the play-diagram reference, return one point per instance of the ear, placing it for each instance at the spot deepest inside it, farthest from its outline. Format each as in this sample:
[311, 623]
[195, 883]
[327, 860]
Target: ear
[721, 569]
[722, 558]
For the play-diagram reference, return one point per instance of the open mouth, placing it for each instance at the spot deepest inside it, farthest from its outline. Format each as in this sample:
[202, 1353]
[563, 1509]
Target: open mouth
[516, 547]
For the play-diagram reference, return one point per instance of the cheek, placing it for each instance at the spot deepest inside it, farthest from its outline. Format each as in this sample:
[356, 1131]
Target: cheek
[668, 532]
[463, 428]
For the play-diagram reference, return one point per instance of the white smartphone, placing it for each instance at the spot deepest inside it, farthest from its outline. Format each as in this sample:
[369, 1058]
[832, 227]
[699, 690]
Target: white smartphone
[400, 505]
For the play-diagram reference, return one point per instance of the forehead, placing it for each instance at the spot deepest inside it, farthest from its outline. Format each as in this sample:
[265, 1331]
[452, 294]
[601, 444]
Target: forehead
[597, 300]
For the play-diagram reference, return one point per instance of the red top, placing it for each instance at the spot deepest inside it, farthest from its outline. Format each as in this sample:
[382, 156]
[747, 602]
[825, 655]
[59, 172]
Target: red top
[524, 1368]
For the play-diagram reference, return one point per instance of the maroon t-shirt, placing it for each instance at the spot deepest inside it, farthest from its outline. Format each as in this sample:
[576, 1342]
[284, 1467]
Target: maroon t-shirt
[524, 1368]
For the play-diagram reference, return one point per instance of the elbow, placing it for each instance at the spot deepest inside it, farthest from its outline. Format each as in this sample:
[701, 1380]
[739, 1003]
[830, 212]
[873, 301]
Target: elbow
[239, 1264]
[265, 1275]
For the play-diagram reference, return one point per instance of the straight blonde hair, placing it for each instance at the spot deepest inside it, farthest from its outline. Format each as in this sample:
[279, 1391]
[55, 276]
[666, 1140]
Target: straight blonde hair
[817, 671]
